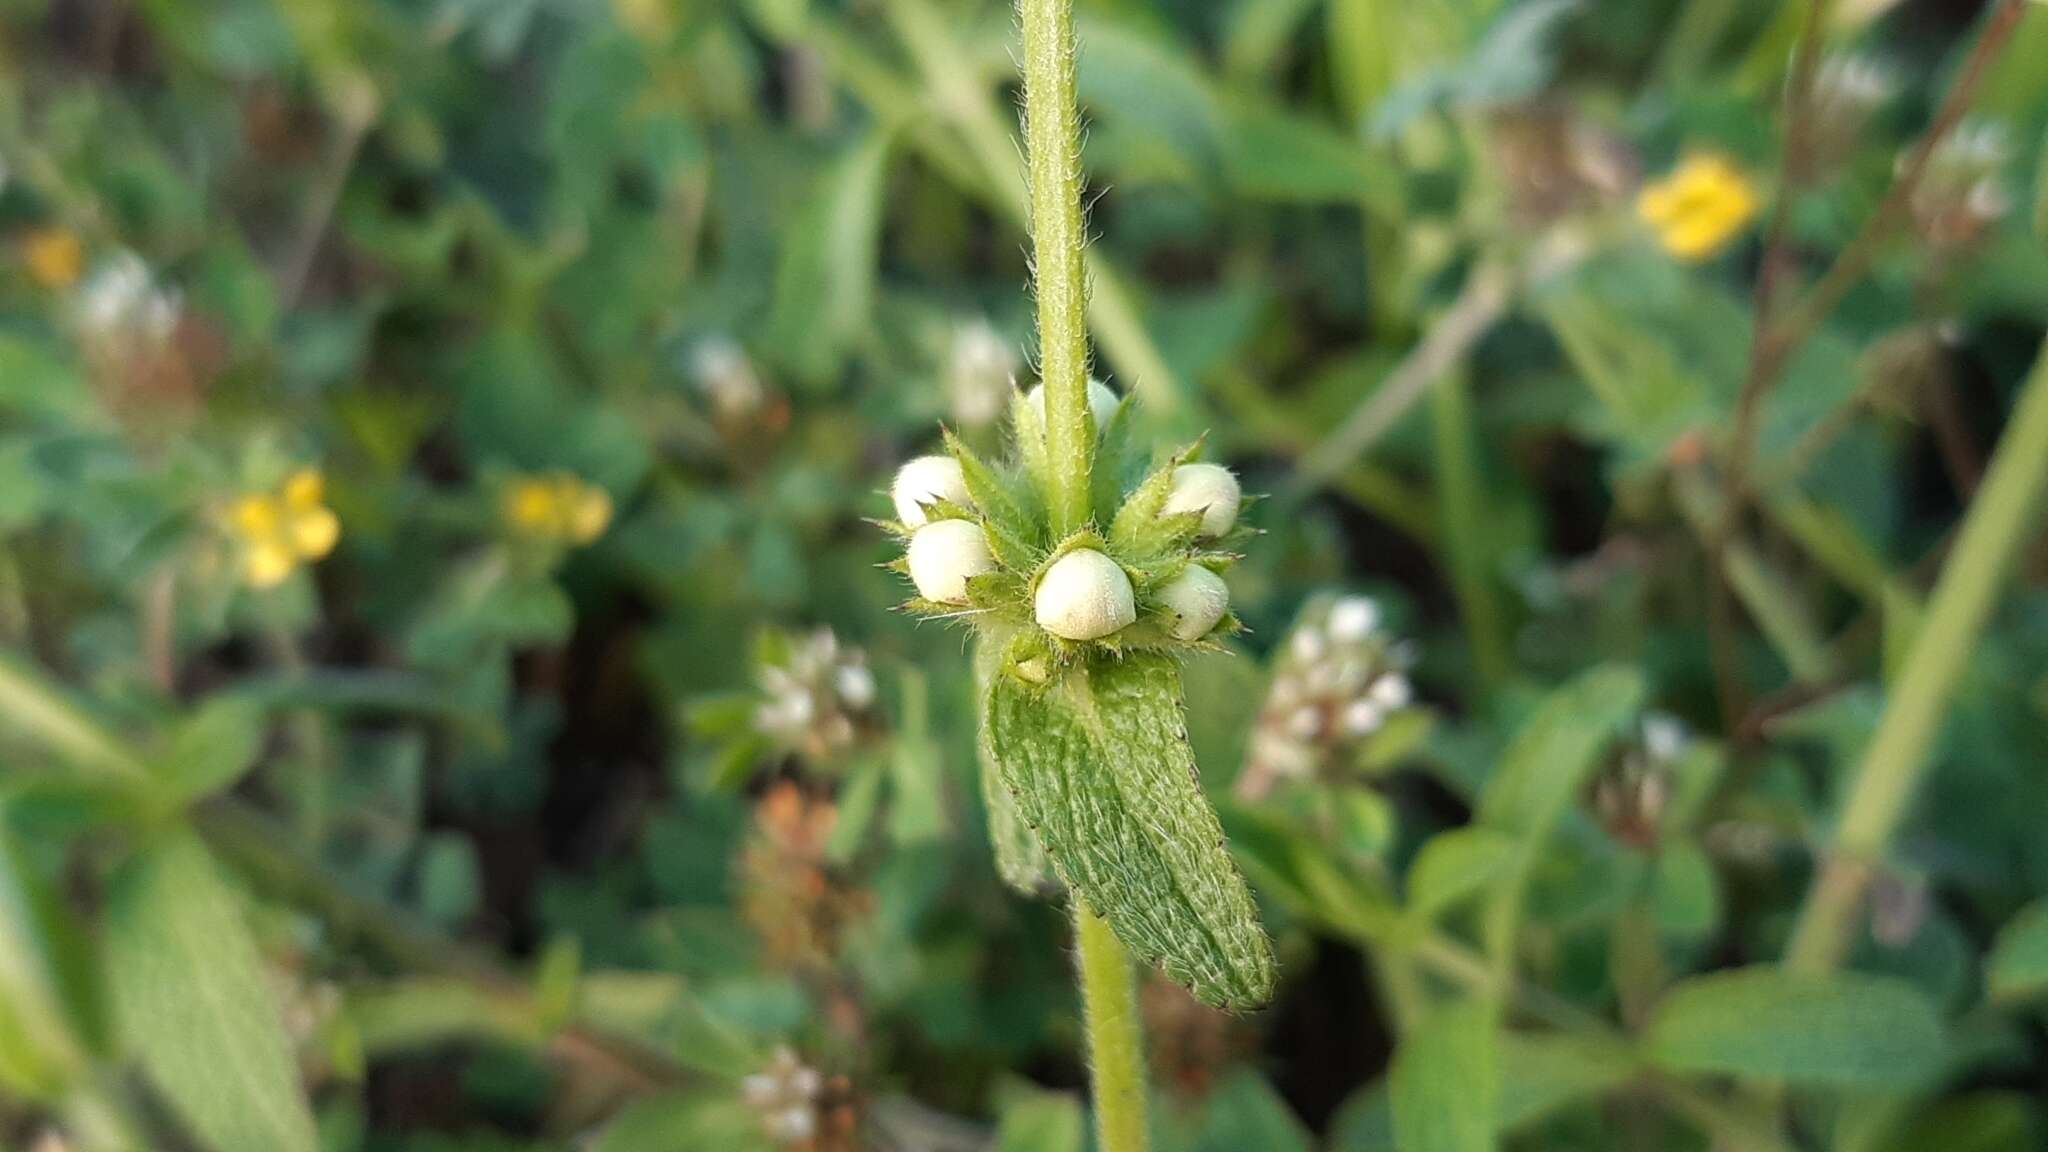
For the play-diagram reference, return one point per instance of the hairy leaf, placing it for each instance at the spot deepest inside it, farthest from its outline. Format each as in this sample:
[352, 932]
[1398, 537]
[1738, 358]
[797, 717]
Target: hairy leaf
[192, 1000]
[1100, 766]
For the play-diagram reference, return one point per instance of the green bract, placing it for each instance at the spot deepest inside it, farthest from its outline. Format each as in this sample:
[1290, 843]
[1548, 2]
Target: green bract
[1087, 767]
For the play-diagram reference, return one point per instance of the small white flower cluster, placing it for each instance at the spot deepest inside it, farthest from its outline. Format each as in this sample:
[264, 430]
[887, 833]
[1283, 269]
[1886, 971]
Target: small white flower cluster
[818, 698]
[727, 378]
[980, 373]
[785, 1094]
[1963, 193]
[1848, 88]
[1084, 594]
[1338, 680]
[1631, 796]
[121, 304]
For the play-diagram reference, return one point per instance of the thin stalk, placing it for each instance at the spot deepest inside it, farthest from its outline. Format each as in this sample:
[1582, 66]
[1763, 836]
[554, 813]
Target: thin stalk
[1052, 158]
[1460, 497]
[1862, 251]
[1773, 344]
[1116, 1050]
[1767, 356]
[1993, 530]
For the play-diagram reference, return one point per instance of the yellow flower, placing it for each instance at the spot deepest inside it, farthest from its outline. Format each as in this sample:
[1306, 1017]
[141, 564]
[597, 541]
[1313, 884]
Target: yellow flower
[1699, 207]
[589, 514]
[279, 531]
[557, 507]
[54, 257]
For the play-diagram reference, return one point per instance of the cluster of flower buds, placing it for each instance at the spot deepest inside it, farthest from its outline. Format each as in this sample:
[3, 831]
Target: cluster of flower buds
[1337, 681]
[981, 373]
[745, 411]
[797, 904]
[1144, 573]
[1848, 89]
[1698, 208]
[1963, 193]
[786, 1095]
[277, 533]
[556, 508]
[1631, 795]
[120, 303]
[818, 698]
[1555, 162]
[54, 257]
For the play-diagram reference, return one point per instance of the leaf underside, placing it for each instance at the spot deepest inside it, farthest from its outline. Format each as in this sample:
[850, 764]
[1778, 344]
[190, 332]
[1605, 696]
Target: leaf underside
[1100, 766]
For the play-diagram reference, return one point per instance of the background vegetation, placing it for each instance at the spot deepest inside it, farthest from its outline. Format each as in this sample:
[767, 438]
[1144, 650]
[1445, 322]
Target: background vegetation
[451, 701]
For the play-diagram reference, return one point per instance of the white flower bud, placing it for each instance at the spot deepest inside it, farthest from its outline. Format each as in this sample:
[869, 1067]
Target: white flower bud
[1392, 691]
[855, 685]
[1663, 736]
[1362, 718]
[1101, 401]
[1307, 646]
[1198, 598]
[1210, 489]
[1353, 618]
[1084, 596]
[943, 555]
[923, 481]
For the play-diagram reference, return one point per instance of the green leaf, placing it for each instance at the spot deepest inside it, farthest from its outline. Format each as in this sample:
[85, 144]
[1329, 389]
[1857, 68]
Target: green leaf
[1020, 860]
[1100, 767]
[1040, 1122]
[825, 280]
[51, 1015]
[213, 747]
[1979, 1122]
[1453, 866]
[1542, 1073]
[450, 879]
[2018, 968]
[1245, 1112]
[1546, 765]
[1444, 1084]
[194, 1003]
[1275, 155]
[1843, 1031]
[699, 1119]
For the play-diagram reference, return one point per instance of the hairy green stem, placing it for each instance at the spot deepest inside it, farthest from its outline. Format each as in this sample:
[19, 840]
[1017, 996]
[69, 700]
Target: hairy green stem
[1116, 1050]
[1052, 158]
[1992, 532]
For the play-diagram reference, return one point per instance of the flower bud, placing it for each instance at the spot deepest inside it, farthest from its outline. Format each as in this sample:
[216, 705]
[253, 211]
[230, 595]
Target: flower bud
[944, 555]
[1393, 692]
[1210, 489]
[923, 481]
[1198, 598]
[1084, 596]
[1101, 402]
[1353, 618]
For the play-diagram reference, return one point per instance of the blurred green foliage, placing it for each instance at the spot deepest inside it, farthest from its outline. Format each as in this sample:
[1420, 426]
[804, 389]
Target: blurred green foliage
[498, 823]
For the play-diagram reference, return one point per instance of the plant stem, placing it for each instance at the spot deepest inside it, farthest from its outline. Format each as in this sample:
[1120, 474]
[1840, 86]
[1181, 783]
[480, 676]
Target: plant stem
[1116, 1051]
[1766, 360]
[1773, 343]
[1460, 508]
[1052, 157]
[1992, 532]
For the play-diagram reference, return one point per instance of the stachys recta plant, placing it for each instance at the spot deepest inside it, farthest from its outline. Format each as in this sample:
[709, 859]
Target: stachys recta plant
[1089, 567]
